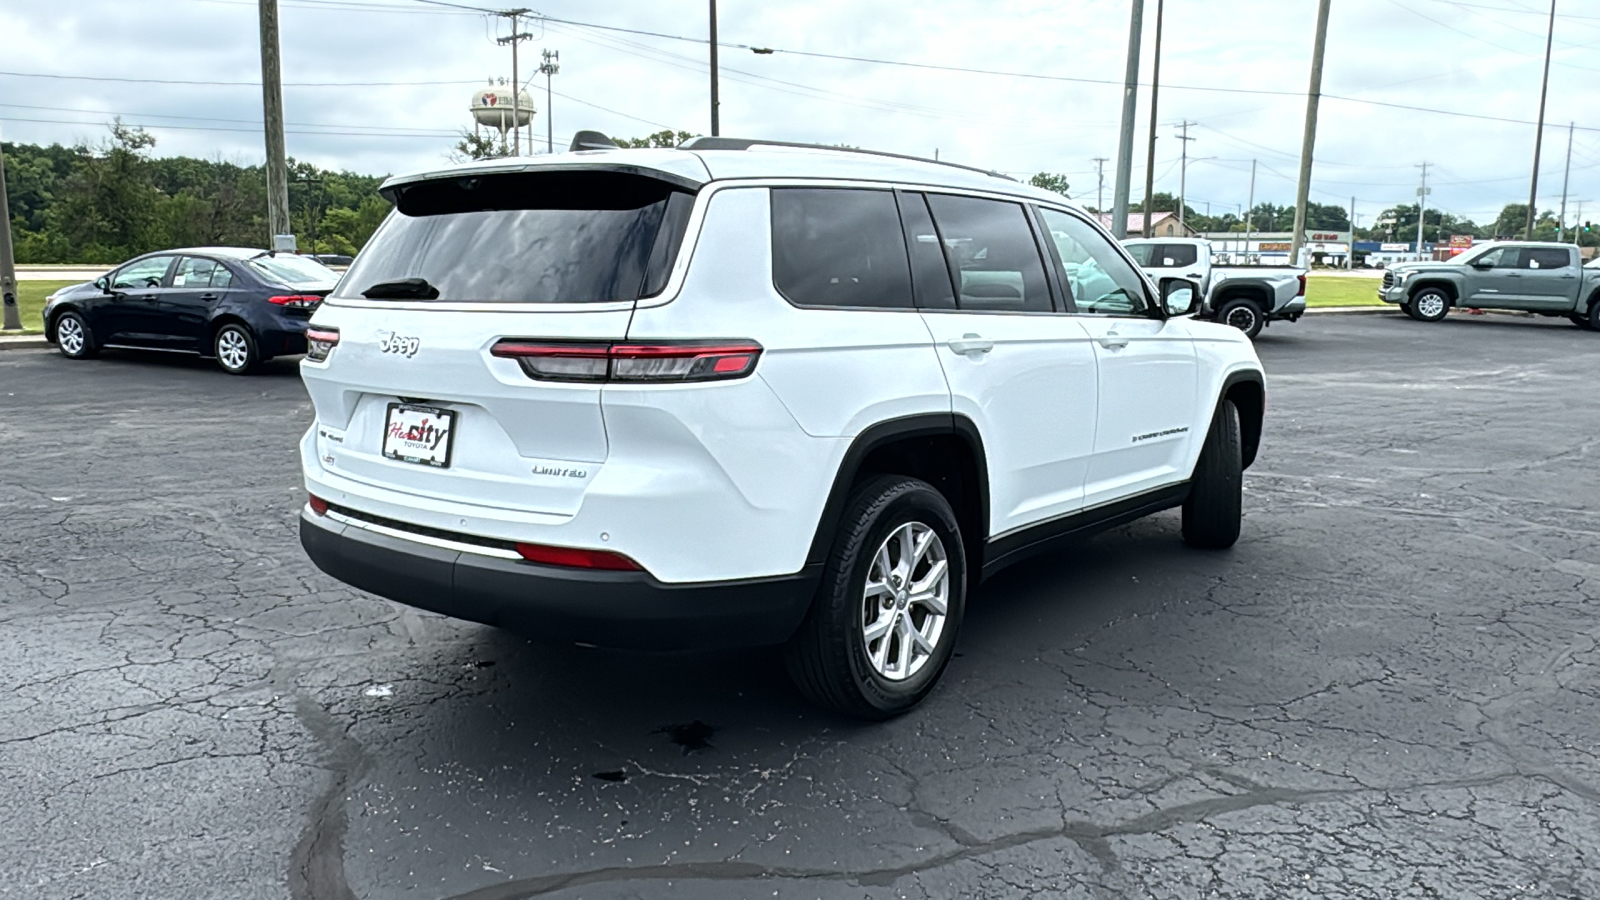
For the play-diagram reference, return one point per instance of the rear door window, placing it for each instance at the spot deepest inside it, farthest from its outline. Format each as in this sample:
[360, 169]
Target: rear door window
[994, 260]
[526, 237]
[194, 272]
[1545, 258]
[1173, 256]
[839, 247]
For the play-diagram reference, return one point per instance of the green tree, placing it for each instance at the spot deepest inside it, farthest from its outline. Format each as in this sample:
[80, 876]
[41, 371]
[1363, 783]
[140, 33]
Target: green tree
[474, 145]
[666, 138]
[1049, 182]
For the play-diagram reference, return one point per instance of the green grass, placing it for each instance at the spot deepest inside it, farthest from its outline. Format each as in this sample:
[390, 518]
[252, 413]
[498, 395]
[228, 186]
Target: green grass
[30, 302]
[1337, 290]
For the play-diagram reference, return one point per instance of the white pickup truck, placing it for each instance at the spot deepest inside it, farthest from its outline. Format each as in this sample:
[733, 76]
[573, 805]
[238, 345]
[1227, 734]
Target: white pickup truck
[1246, 297]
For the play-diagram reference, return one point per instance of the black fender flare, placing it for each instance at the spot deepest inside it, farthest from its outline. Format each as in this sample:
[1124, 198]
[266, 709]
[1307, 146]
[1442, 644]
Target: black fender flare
[1250, 419]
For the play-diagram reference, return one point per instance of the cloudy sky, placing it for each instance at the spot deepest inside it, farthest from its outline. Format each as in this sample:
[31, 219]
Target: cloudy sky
[382, 85]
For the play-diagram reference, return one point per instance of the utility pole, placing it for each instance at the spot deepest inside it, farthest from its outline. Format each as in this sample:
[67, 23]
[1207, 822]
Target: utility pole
[1350, 251]
[516, 37]
[1538, 137]
[716, 119]
[1561, 227]
[1308, 143]
[1250, 220]
[1100, 183]
[272, 114]
[1130, 103]
[552, 65]
[1422, 206]
[10, 316]
[1150, 158]
[1183, 172]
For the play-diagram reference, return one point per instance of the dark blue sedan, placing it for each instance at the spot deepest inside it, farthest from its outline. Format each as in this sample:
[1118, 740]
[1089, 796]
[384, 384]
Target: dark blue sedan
[235, 305]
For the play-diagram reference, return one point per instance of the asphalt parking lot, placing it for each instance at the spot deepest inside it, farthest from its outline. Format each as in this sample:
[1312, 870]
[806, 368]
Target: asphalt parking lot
[1389, 688]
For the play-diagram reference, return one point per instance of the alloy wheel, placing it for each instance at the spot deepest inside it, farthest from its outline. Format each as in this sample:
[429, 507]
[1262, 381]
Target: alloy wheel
[1430, 306]
[233, 349]
[1242, 317]
[69, 334]
[906, 601]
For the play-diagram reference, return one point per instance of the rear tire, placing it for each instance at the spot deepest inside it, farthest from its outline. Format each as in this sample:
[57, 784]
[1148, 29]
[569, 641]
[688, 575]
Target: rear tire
[1430, 305]
[74, 338]
[1243, 314]
[1591, 320]
[896, 559]
[1214, 508]
[235, 349]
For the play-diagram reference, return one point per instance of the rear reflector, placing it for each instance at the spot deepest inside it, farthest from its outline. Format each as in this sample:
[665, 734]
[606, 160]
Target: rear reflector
[635, 363]
[317, 504]
[320, 342]
[1302, 292]
[577, 559]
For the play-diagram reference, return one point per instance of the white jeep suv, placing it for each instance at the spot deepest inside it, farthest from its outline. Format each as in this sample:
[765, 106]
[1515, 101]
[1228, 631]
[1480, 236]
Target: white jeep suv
[743, 393]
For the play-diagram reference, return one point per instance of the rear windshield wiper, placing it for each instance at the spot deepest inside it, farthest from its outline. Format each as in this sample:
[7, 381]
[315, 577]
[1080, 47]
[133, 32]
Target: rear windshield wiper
[404, 289]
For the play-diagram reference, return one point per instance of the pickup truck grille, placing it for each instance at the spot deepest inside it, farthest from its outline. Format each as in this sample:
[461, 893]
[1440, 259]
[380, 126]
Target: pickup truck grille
[1388, 280]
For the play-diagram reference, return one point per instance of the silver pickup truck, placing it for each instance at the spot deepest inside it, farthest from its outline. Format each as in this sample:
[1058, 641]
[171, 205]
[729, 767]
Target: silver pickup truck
[1548, 279]
[1246, 297]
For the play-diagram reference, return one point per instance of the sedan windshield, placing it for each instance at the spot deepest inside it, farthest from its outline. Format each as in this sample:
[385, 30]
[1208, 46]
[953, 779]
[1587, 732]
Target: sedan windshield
[294, 271]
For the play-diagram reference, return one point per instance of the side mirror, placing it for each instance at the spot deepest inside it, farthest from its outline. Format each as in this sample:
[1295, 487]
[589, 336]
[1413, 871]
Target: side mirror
[104, 284]
[1482, 264]
[1179, 297]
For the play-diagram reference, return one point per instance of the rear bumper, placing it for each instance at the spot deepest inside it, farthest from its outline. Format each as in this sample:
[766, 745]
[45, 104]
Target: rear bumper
[630, 610]
[1291, 310]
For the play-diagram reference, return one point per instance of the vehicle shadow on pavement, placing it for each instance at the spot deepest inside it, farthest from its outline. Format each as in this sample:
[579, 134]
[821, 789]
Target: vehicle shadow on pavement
[144, 360]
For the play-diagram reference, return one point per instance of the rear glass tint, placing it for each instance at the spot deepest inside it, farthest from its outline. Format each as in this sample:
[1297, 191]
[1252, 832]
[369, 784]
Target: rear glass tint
[293, 271]
[529, 237]
[839, 247]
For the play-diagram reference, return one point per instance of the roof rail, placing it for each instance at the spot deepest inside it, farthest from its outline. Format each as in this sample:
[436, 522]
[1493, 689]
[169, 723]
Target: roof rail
[728, 143]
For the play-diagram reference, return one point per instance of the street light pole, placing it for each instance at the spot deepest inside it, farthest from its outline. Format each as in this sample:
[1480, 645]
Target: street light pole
[1130, 103]
[1538, 137]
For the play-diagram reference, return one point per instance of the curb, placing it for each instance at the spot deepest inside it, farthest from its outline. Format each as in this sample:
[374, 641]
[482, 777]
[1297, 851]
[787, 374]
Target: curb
[22, 341]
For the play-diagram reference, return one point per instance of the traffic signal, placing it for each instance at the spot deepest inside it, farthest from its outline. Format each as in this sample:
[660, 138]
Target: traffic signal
[1587, 227]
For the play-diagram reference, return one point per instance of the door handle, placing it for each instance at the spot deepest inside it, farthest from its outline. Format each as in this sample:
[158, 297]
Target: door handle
[1112, 341]
[971, 344]
[208, 296]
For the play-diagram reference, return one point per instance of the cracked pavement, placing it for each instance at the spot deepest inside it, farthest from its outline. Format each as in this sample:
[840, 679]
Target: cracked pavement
[1389, 688]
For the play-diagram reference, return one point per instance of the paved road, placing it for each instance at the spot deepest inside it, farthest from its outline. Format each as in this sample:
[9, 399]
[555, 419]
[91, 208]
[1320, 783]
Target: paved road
[1390, 688]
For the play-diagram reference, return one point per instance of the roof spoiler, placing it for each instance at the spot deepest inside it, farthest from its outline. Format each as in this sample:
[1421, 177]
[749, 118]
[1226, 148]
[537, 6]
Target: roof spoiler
[592, 140]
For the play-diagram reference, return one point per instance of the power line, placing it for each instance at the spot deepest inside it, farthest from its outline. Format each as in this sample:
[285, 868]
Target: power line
[254, 84]
[149, 115]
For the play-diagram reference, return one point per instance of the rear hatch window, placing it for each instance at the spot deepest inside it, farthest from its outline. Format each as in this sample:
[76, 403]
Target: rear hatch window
[525, 237]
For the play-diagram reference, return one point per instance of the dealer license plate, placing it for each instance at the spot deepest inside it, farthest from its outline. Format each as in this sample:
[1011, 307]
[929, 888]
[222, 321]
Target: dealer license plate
[419, 434]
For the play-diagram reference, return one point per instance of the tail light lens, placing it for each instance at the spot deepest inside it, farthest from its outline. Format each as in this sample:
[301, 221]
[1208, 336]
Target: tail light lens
[632, 363]
[573, 558]
[317, 504]
[320, 342]
[1302, 285]
[296, 301]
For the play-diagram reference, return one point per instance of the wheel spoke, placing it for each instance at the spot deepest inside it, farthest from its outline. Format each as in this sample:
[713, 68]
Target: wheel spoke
[921, 642]
[880, 626]
[927, 582]
[931, 601]
[882, 653]
[878, 589]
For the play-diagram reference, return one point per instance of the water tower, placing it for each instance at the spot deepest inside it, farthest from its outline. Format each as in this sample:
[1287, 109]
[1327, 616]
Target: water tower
[493, 108]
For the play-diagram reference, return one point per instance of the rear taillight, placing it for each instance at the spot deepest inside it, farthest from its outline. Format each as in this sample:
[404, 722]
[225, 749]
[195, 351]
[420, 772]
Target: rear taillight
[320, 342]
[317, 504]
[296, 301]
[573, 558]
[633, 363]
[1302, 285]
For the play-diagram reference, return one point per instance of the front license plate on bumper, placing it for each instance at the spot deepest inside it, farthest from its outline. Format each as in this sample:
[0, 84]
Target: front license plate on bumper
[419, 434]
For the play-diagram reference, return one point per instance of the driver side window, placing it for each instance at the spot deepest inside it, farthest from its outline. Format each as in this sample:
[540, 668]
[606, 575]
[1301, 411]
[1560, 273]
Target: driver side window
[1500, 258]
[1098, 278]
[142, 275]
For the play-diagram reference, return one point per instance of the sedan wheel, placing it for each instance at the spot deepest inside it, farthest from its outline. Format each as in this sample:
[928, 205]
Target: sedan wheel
[236, 350]
[74, 338]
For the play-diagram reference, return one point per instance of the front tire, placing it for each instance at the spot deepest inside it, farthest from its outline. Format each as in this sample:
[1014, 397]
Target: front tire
[74, 338]
[1243, 314]
[235, 349]
[883, 624]
[1214, 508]
[1430, 305]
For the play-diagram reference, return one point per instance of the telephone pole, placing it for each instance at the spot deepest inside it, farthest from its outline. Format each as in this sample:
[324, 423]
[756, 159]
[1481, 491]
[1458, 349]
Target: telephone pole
[1561, 227]
[272, 114]
[1130, 103]
[716, 118]
[1183, 172]
[1150, 158]
[516, 37]
[1422, 205]
[1308, 143]
[552, 65]
[10, 316]
[1250, 220]
[1538, 137]
[1100, 183]
[1350, 251]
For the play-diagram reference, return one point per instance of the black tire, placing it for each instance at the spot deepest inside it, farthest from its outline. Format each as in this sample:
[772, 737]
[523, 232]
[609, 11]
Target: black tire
[78, 336]
[828, 658]
[1588, 321]
[235, 349]
[1409, 310]
[1214, 508]
[1430, 305]
[1244, 314]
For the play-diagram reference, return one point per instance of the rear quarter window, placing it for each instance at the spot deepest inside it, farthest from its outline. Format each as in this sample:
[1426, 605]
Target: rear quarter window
[528, 237]
[839, 247]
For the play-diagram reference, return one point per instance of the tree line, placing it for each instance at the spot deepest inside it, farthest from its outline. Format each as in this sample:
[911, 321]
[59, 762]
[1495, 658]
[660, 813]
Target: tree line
[106, 202]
